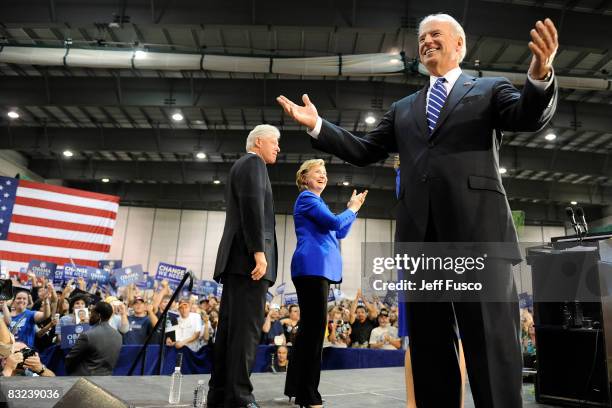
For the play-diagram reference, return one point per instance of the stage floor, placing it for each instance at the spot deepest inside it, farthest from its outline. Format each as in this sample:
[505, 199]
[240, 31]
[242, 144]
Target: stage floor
[374, 387]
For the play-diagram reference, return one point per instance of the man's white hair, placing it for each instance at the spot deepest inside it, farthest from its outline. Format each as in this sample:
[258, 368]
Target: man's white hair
[454, 23]
[261, 131]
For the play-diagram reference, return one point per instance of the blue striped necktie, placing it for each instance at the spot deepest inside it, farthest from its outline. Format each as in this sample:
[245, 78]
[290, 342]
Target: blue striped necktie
[437, 97]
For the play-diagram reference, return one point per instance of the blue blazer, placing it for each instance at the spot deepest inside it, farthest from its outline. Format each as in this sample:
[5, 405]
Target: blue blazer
[318, 230]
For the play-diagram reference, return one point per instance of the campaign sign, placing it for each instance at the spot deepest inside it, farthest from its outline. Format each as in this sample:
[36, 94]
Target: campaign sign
[219, 290]
[58, 276]
[204, 288]
[147, 282]
[75, 272]
[71, 333]
[291, 298]
[110, 264]
[172, 273]
[280, 289]
[128, 275]
[42, 269]
[269, 297]
[96, 275]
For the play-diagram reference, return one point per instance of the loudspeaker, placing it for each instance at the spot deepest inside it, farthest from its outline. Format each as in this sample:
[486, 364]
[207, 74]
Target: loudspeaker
[85, 394]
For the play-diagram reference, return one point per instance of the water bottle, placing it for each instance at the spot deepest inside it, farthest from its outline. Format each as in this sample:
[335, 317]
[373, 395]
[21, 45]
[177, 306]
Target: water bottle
[175, 386]
[199, 395]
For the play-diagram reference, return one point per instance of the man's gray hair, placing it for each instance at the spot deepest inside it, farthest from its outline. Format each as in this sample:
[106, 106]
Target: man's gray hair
[454, 23]
[261, 131]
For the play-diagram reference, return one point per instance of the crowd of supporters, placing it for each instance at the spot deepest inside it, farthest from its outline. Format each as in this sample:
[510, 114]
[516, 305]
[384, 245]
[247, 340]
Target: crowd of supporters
[35, 319]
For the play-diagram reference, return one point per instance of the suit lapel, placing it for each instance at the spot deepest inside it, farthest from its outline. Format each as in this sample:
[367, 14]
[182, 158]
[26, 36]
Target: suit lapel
[418, 111]
[463, 85]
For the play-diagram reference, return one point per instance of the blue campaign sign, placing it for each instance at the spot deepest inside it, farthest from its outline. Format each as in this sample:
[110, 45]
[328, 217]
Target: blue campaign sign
[219, 290]
[97, 275]
[71, 333]
[110, 264]
[204, 287]
[269, 297]
[128, 275]
[291, 298]
[172, 273]
[331, 296]
[58, 276]
[75, 272]
[42, 268]
[147, 282]
[280, 289]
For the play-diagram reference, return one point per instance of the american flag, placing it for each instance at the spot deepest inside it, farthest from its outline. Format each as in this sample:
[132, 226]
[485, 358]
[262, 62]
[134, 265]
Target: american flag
[53, 224]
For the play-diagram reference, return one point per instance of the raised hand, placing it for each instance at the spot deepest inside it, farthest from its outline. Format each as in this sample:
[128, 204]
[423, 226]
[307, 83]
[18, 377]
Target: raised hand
[544, 44]
[357, 200]
[305, 115]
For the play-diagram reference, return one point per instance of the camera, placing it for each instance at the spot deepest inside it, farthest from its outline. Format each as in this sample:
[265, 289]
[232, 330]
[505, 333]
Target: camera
[27, 353]
[6, 289]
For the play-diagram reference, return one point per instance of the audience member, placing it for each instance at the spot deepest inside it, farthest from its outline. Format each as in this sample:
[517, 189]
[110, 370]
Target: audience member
[385, 336]
[31, 366]
[291, 324]
[23, 323]
[188, 329]
[141, 323]
[97, 350]
[362, 322]
[280, 360]
[339, 330]
[272, 330]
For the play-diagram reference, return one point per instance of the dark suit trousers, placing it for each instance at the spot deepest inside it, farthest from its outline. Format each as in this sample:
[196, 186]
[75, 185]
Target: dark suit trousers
[304, 370]
[241, 316]
[491, 343]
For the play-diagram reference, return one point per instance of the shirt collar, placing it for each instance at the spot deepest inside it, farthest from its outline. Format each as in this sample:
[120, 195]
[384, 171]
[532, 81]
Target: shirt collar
[451, 77]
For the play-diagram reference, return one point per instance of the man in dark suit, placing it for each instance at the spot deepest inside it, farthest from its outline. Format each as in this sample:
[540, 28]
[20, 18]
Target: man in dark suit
[448, 136]
[97, 350]
[246, 266]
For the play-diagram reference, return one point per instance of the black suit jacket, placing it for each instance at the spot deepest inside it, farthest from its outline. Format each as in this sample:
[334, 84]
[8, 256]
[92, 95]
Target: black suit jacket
[451, 177]
[95, 352]
[249, 220]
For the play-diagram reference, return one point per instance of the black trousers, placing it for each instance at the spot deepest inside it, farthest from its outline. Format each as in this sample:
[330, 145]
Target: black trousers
[491, 344]
[304, 370]
[241, 316]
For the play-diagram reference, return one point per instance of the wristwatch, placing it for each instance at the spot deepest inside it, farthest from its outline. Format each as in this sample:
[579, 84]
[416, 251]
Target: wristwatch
[42, 370]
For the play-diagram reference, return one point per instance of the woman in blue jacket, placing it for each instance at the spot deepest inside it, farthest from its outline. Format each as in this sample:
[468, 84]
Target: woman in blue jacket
[315, 264]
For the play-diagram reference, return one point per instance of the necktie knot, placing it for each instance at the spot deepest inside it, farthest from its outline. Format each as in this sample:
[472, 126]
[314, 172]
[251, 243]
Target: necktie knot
[440, 82]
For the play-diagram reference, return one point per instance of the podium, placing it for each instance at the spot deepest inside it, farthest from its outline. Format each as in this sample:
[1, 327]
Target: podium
[572, 305]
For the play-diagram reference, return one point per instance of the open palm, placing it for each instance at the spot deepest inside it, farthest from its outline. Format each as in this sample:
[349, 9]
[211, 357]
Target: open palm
[305, 115]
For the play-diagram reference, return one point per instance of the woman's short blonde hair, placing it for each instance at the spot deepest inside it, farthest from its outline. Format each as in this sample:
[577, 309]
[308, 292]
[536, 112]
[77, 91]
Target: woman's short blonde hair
[300, 176]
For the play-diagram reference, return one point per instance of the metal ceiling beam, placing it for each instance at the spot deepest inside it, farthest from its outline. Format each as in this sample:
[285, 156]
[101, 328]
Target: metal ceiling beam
[485, 17]
[32, 141]
[283, 174]
[245, 94]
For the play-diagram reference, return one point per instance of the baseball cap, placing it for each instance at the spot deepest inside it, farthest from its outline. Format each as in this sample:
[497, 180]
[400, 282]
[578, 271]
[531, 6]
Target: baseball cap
[138, 299]
[384, 312]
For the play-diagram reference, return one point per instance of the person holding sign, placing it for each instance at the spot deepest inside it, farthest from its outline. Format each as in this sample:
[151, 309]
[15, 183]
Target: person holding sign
[246, 265]
[315, 264]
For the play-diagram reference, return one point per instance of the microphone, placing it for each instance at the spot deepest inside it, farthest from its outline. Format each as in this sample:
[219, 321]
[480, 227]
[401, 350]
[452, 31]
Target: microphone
[581, 219]
[572, 217]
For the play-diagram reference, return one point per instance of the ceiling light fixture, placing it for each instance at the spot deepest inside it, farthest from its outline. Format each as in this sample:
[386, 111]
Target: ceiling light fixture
[105, 180]
[216, 181]
[345, 183]
[177, 117]
[550, 137]
[67, 153]
[370, 119]
[502, 170]
[201, 155]
[574, 203]
[13, 115]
